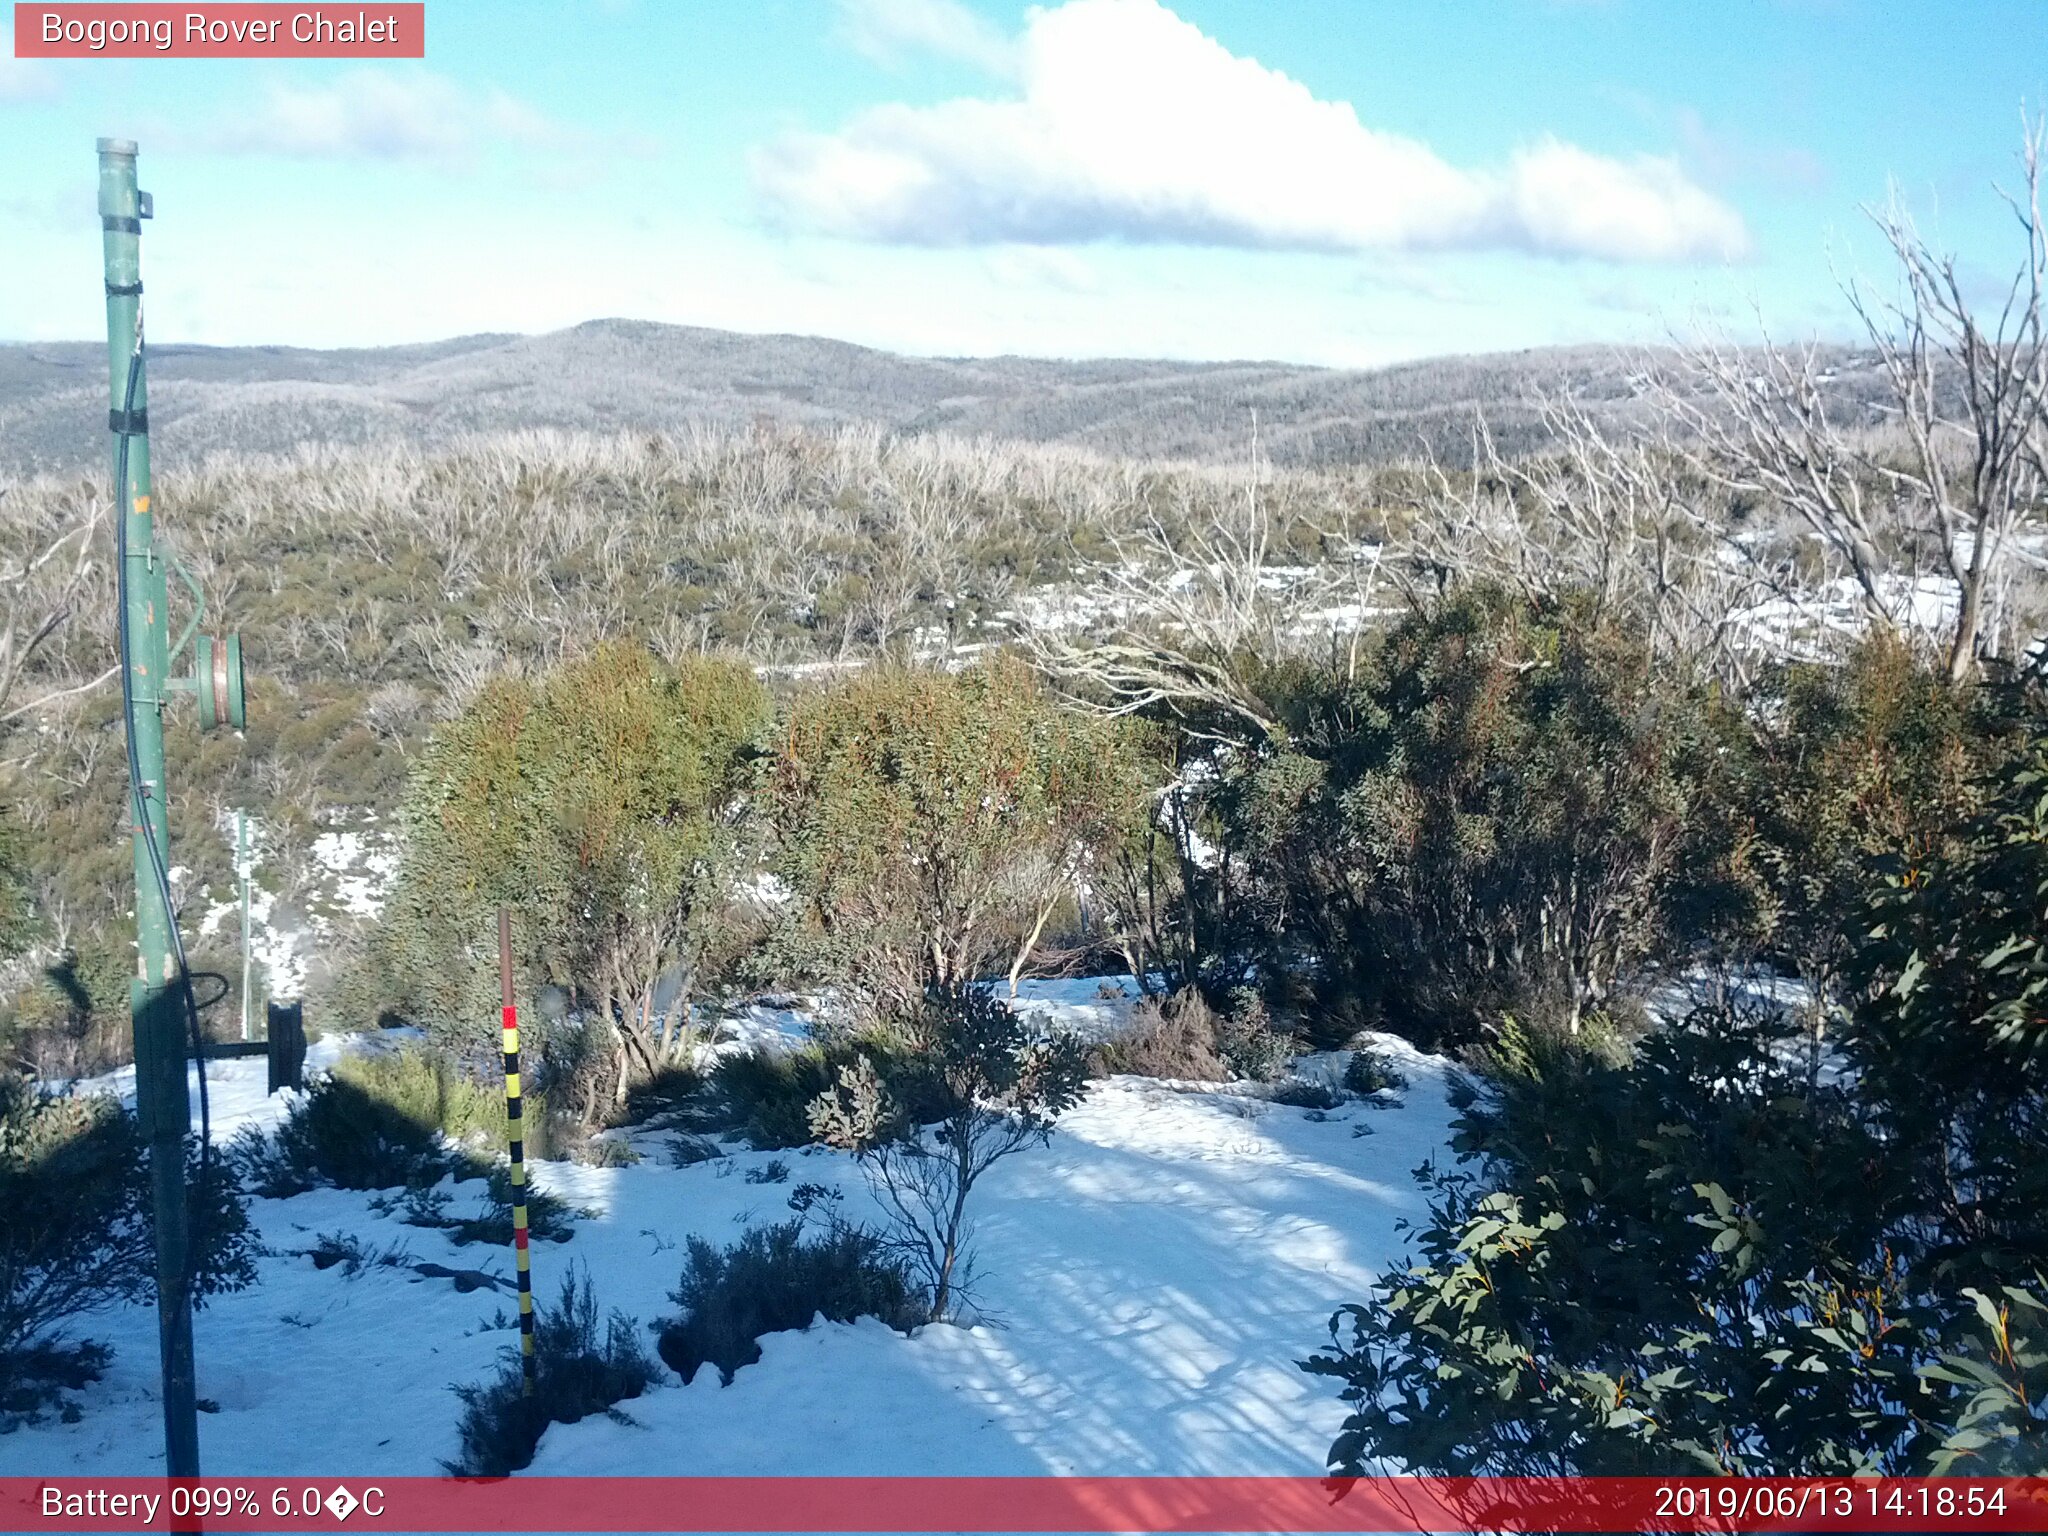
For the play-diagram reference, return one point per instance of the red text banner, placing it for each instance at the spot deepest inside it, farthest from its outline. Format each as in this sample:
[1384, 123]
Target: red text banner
[1023, 1504]
[220, 31]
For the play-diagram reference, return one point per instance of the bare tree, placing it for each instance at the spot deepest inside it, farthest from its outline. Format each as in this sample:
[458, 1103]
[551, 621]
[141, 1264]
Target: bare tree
[1959, 459]
[1977, 475]
[1617, 519]
[1180, 618]
[39, 592]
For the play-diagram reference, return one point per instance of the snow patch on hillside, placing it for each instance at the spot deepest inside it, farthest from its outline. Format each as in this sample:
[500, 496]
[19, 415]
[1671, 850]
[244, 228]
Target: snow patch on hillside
[343, 877]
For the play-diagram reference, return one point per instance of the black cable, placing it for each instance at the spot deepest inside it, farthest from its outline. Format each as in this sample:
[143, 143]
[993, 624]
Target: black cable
[138, 794]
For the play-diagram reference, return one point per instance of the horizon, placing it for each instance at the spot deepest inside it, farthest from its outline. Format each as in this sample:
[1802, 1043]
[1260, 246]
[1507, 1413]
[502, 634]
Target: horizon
[160, 345]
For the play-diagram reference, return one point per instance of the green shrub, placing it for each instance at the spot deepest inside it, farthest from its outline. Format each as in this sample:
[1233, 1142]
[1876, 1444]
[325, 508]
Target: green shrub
[1877, 756]
[352, 1256]
[671, 1092]
[581, 1368]
[1690, 1256]
[1542, 1048]
[599, 802]
[1252, 1047]
[71, 1019]
[382, 1119]
[361, 1126]
[1308, 1093]
[75, 1236]
[688, 1150]
[547, 1216]
[764, 1094]
[1950, 1035]
[35, 1377]
[774, 1279]
[342, 1134]
[1690, 1262]
[1506, 808]
[931, 822]
[16, 911]
[975, 1087]
[426, 1085]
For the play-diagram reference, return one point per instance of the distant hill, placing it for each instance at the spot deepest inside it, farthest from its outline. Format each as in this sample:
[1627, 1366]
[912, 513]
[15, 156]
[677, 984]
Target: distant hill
[613, 374]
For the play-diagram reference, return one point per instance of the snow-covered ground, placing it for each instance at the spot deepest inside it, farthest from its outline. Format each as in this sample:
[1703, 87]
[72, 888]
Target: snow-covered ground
[1150, 1279]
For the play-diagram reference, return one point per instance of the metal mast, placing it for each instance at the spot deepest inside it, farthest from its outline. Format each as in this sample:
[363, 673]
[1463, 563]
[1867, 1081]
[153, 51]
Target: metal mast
[157, 996]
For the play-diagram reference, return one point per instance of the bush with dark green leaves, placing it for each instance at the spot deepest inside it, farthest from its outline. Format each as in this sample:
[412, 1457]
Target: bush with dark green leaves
[778, 1278]
[1701, 1258]
[1309, 1093]
[549, 1217]
[75, 1227]
[1950, 1035]
[340, 1134]
[1691, 1263]
[583, 1366]
[1507, 807]
[35, 1378]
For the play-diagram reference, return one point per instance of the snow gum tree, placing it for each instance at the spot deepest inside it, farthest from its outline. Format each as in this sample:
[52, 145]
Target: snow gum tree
[935, 824]
[603, 803]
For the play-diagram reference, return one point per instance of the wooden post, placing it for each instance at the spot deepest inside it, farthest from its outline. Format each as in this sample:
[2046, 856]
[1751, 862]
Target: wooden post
[287, 1030]
[515, 1137]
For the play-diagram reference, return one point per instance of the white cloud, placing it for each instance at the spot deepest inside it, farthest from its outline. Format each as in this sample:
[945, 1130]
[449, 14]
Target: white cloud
[888, 31]
[382, 114]
[1132, 124]
[1568, 201]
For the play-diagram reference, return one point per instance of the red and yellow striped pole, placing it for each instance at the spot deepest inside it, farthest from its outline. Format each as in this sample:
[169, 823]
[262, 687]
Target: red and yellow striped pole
[515, 1135]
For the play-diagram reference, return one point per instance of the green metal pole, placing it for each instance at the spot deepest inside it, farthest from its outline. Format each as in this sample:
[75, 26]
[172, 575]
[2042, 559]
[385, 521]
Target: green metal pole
[161, 1097]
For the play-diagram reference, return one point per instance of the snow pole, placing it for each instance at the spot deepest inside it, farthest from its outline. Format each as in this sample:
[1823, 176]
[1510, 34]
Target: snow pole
[515, 1138]
[242, 869]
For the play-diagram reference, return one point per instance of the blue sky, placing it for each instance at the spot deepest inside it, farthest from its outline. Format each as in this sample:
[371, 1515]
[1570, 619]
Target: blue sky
[1332, 181]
